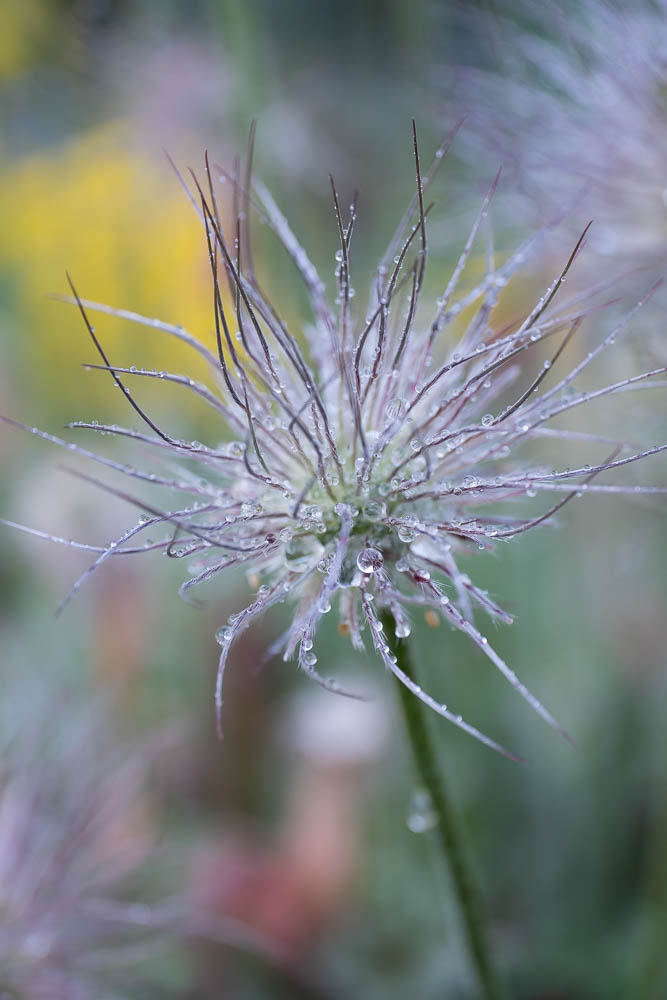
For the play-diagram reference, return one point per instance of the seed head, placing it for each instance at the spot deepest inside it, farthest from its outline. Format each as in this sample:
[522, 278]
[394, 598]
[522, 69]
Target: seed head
[376, 448]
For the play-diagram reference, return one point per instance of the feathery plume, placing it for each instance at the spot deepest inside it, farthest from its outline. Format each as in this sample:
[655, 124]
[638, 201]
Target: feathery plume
[374, 450]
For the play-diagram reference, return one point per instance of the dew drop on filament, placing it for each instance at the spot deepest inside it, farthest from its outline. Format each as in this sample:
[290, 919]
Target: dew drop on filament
[369, 560]
[422, 816]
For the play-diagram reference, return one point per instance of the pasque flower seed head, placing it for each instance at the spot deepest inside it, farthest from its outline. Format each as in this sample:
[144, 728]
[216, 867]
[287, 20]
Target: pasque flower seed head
[373, 449]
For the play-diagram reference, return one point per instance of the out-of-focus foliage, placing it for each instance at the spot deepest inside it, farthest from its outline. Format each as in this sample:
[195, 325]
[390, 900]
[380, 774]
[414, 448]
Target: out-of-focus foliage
[572, 98]
[77, 821]
[24, 31]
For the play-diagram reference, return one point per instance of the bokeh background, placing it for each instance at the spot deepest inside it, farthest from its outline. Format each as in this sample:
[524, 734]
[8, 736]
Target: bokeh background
[304, 823]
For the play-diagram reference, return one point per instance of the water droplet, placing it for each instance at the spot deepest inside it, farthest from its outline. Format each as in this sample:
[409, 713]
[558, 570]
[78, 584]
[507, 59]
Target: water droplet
[374, 510]
[312, 512]
[250, 508]
[487, 420]
[369, 560]
[422, 816]
[223, 635]
[395, 407]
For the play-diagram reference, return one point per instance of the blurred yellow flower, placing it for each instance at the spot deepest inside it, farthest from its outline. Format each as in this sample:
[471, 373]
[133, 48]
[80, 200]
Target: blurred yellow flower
[116, 218]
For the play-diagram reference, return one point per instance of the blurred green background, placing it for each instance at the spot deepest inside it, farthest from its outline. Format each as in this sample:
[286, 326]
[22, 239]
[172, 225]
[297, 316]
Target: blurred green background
[571, 851]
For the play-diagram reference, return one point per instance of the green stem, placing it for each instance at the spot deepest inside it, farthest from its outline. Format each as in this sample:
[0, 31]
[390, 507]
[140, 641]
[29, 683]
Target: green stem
[448, 829]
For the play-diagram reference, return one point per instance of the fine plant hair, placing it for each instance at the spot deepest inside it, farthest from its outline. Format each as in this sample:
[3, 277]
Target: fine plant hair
[375, 448]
